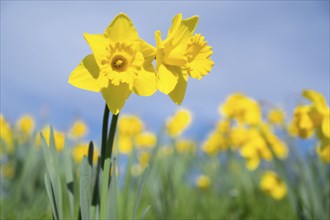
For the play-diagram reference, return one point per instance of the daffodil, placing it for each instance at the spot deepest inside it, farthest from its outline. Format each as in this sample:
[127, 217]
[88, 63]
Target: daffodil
[203, 182]
[179, 122]
[120, 63]
[214, 143]
[302, 125]
[6, 136]
[130, 125]
[180, 55]
[276, 116]
[241, 108]
[145, 140]
[26, 124]
[79, 129]
[81, 150]
[273, 185]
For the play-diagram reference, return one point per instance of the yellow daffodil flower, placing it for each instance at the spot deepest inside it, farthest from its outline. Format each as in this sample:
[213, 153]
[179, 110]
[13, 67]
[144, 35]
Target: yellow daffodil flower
[214, 144]
[125, 144]
[79, 129]
[255, 149]
[302, 125]
[273, 185]
[130, 125]
[203, 182]
[81, 150]
[323, 150]
[276, 116]
[120, 63]
[6, 136]
[178, 123]
[181, 55]
[26, 124]
[145, 140]
[241, 108]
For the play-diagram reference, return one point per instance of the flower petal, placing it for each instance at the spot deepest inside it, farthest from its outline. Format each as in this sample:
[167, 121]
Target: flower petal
[146, 82]
[168, 77]
[177, 95]
[199, 61]
[177, 55]
[148, 51]
[184, 31]
[86, 75]
[98, 44]
[121, 29]
[115, 96]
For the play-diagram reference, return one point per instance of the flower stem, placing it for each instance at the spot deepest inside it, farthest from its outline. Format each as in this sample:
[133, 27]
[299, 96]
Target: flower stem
[111, 136]
[104, 134]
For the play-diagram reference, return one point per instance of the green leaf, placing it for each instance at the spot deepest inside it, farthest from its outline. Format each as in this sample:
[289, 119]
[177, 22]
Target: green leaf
[85, 189]
[112, 194]
[104, 188]
[145, 211]
[139, 193]
[50, 194]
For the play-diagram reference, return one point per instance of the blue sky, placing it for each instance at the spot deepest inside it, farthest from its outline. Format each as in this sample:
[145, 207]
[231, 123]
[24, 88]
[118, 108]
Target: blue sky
[270, 50]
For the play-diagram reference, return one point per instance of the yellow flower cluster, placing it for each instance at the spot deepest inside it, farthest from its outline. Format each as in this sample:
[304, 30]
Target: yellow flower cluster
[122, 63]
[243, 129]
[273, 185]
[313, 118]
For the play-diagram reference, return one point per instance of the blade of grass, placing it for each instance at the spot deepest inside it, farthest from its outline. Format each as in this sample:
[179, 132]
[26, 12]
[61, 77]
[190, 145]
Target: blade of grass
[139, 193]
[85, 189]
[104, 188]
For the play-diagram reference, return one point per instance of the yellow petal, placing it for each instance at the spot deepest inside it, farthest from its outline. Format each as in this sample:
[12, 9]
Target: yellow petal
[177, 95]
[146, 82]
[168, 77]
[185, 30]
[98, 44]
[326, 126]
[176, 56]
[176, 22]
[199, 61]
[121, 29]
[86, 75]
[148, 51]
[191, 24]
[115, 96]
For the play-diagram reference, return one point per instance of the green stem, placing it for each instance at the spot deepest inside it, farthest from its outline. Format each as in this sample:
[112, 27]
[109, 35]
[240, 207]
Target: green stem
[111, 136]
[104, 134]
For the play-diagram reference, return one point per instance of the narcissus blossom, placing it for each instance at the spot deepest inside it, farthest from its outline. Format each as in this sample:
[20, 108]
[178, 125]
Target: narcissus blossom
[180, 55]
[273, 185]
[120, 63]
[203, 182]
[79, 129]
[26, 124]
[81, 150]
[178, 122]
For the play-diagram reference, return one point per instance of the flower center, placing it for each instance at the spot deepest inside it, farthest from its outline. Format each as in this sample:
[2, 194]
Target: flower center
[119, 63]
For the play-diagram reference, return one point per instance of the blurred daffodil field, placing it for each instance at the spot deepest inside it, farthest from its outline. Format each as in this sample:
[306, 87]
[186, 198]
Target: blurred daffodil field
[257, 161]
